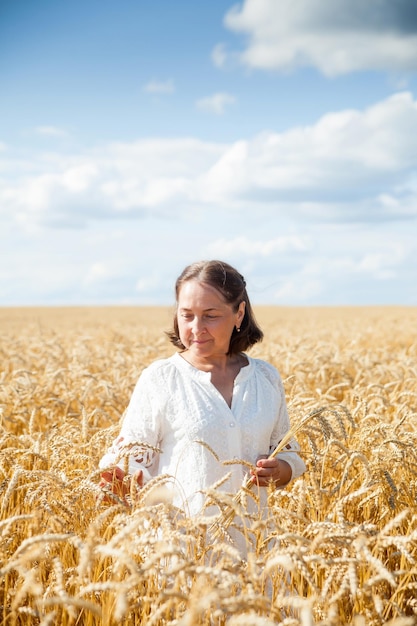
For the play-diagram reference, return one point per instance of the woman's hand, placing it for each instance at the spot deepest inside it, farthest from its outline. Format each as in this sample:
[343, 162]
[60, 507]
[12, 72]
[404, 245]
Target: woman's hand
[117, 485]
[267, 470]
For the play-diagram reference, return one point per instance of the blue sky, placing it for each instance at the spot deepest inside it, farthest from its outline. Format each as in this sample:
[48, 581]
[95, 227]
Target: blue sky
[138, 136]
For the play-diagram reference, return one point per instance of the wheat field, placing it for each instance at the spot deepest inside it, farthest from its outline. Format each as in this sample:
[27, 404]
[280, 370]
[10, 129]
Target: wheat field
[339, 545]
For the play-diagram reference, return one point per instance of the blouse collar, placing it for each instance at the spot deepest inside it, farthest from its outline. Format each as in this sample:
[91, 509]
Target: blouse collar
[184, 365]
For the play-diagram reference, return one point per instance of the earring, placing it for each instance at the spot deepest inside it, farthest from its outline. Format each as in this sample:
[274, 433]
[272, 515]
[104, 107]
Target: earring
[238, 329]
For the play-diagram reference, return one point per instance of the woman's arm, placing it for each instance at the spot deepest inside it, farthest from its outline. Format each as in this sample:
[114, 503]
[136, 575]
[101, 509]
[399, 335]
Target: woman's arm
[128, 463]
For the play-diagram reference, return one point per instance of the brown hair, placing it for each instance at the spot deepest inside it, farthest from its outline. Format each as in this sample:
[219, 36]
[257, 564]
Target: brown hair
[232, 286]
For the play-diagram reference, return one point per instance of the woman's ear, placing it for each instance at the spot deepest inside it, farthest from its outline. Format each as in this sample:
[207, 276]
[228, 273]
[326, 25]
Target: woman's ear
[241, 311]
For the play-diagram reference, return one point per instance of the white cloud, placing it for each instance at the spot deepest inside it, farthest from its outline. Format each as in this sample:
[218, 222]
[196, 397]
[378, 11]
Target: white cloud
[159, 87]
[350, 165]
[299, 291]
[216, 103]
[51, 131]
[284, 261]
[149, 283]
[378, 265]
[335, 37]
[51, 196]
[120, 179]
[340, 166]
[257, 247]
[351, 263]
[97, 272]
[219, 55]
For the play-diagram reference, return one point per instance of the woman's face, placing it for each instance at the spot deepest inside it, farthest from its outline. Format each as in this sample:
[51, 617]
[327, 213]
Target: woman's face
[205, 320]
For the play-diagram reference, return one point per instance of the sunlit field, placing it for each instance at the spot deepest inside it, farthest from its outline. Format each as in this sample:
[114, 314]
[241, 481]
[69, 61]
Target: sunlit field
[338, 546]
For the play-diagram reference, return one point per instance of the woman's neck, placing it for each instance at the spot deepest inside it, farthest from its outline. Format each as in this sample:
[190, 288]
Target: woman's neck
[221, 364]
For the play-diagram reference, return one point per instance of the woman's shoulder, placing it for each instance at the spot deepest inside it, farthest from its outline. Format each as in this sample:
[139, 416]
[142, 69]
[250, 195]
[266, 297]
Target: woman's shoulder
[157, 377]
[159, 367]
[265, 367]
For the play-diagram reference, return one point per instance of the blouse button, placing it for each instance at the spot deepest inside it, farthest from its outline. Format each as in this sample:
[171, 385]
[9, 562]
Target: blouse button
[231, 424]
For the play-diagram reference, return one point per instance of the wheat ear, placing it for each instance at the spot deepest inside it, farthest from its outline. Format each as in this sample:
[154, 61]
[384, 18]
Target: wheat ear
[226, 517]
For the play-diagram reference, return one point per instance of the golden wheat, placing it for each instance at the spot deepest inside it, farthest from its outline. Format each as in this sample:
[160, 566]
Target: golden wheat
[338, 546]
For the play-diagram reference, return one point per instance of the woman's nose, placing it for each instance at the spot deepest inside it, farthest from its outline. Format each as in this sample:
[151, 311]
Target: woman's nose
[198, 326]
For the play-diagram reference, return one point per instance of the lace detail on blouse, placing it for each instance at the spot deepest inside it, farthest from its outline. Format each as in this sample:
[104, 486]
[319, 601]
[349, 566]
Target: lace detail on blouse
[140, 453]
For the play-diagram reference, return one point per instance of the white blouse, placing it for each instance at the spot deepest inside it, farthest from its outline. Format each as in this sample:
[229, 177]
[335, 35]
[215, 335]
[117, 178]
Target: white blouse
[178, 423]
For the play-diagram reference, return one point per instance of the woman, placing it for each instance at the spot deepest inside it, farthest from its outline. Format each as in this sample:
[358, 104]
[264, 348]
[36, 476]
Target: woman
[208, 403]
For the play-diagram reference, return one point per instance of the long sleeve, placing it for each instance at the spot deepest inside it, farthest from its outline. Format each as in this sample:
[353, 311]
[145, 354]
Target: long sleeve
[137, 446]
[290, 453]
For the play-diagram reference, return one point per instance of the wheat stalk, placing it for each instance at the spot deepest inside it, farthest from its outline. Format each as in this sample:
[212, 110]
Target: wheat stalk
[222, 523]
[316, 557]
